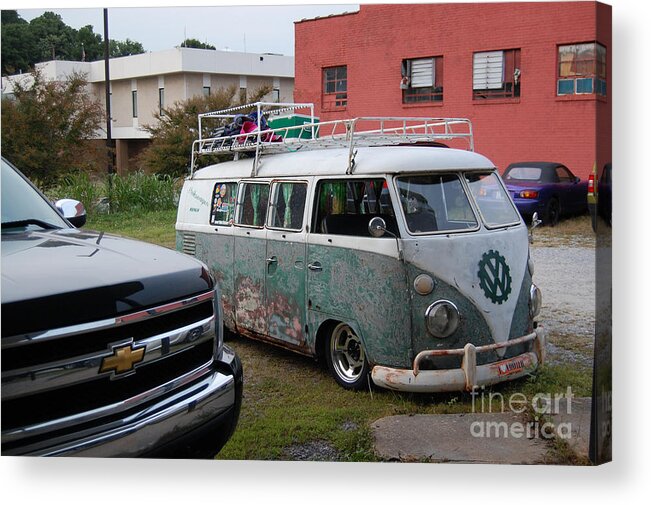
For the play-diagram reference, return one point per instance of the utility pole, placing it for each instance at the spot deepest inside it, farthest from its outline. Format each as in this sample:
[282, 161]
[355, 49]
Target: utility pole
[109, 139]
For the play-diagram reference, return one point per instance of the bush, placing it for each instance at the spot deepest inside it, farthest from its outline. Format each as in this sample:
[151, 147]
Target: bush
[173, 133]
[45, 127]
[138, 191]
[125, 193]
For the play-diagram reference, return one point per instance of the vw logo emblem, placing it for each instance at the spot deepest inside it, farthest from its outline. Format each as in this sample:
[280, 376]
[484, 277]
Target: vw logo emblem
[494, 277]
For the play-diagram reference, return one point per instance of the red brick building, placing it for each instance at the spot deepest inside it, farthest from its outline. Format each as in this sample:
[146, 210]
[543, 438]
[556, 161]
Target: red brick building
[534, 78]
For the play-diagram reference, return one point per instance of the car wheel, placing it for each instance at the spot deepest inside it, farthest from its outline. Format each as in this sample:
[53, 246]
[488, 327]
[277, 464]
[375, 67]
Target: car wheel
[346, 358]
[552, 212]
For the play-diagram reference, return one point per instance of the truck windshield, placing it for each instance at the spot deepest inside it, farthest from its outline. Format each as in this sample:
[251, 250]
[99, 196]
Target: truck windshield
[23, 206]
[493, 201]
[435, 203]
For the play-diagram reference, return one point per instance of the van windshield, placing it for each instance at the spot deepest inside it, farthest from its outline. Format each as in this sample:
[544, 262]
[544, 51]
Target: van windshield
[435, 202]
[494, 203]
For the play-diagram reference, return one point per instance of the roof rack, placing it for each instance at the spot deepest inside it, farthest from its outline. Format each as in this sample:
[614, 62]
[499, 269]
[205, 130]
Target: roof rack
[341, 133]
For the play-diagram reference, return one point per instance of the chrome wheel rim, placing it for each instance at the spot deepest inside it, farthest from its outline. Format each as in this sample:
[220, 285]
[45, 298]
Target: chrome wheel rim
[347, 353]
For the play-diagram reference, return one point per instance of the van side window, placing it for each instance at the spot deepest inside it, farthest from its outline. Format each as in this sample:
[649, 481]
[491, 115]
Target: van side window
[288, 205]
[345, 207]
[222, 210]
[252, 204]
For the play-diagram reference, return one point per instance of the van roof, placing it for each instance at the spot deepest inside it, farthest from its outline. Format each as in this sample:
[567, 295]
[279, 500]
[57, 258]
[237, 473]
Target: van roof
[368, 160]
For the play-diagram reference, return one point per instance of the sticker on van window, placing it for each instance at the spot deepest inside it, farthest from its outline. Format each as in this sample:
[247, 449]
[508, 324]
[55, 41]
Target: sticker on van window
[494, 277]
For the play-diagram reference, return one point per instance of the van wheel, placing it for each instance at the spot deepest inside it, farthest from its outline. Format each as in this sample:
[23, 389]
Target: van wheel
[346, 358]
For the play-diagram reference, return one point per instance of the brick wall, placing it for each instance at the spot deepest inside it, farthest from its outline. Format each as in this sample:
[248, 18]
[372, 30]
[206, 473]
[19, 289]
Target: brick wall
[536, 126]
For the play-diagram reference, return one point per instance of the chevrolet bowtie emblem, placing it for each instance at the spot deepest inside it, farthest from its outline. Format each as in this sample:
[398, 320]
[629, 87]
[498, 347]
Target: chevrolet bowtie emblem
[123, 359]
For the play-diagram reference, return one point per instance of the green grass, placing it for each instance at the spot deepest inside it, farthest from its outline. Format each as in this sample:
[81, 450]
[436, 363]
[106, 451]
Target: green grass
[290, 399]
[156, 226]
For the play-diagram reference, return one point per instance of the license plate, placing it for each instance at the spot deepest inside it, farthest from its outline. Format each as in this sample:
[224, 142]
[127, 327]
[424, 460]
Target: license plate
[510, 367]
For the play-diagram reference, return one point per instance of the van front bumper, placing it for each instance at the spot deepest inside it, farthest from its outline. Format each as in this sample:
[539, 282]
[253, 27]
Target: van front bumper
[469, 376]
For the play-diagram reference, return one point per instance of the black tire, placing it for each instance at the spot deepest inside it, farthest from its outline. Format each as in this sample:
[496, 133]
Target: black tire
[228, 334]
[346, 358]
[552, 212]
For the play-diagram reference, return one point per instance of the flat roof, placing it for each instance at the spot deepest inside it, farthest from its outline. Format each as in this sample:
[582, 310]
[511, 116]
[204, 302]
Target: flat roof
[368, 160]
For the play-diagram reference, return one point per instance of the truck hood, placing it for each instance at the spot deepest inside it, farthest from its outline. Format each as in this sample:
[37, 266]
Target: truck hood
[53, 279]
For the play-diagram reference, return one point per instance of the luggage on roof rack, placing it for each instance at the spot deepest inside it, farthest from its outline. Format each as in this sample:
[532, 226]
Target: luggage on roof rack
[245, 129]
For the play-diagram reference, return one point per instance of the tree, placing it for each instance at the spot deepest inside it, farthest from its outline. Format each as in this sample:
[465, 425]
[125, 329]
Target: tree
[172, 135]
[18, 44]
[127, 47]
[44, 127]
[196, 44]
[90, 45]
[56, 40]
[47, 38]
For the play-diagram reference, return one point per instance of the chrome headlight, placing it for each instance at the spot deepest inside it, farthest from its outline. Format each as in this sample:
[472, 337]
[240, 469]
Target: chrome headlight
[442, 318]
[535, 300]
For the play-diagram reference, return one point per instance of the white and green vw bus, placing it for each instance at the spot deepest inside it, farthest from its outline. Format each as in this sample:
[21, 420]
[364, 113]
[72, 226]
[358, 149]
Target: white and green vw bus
[370, 244]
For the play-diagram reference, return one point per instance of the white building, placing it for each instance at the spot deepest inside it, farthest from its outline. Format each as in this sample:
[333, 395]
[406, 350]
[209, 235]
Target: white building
[141, 84]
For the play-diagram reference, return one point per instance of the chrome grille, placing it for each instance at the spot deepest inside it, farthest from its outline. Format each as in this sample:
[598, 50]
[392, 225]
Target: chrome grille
[53, 382]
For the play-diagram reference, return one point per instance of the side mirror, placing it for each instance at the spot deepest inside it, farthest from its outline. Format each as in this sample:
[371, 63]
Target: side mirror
[377, 227]
[535, 222]
[73, 211]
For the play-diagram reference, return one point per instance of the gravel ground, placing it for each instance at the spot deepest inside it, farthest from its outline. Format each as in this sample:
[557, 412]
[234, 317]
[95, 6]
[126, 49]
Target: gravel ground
[566, 276]
[318, 450]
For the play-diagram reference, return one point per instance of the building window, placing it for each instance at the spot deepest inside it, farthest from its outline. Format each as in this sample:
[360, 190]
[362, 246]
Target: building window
[496, 74]
[581, 69]
[206, 91]
[335, 88]
[275, 95]
[422, 80]
[242, 95]
[134, 103]
[161, 101]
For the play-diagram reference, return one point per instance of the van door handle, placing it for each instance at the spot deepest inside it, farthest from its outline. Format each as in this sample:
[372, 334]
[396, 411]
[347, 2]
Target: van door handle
[315, 267]
[271, 260]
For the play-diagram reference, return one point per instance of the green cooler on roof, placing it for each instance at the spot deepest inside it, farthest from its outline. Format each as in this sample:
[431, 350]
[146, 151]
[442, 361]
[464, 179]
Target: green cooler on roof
[294, 120]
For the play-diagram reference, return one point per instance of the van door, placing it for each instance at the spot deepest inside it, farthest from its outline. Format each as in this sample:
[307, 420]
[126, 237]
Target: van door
[354, 278]
[285, 263]
[250, 257]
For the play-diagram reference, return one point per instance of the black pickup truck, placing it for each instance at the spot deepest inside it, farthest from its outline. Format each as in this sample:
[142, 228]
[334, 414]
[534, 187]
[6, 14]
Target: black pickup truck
[110, 347]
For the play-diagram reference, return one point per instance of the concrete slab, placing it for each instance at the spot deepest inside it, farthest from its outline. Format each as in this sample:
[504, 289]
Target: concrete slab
[457, 438]
[573, 423]
[492, 438]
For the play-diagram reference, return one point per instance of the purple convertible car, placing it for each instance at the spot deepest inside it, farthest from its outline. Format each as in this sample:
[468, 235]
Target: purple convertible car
[547, 188]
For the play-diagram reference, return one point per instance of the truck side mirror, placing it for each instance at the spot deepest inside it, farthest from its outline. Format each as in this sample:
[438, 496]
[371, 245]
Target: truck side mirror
[73, 211]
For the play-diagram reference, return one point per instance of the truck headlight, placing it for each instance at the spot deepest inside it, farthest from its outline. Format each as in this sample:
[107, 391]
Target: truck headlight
[442, 318]
[219, 323]
[535, 300]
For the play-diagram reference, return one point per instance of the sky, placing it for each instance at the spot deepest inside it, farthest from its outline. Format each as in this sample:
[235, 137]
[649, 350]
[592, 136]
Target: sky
[261, 28]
